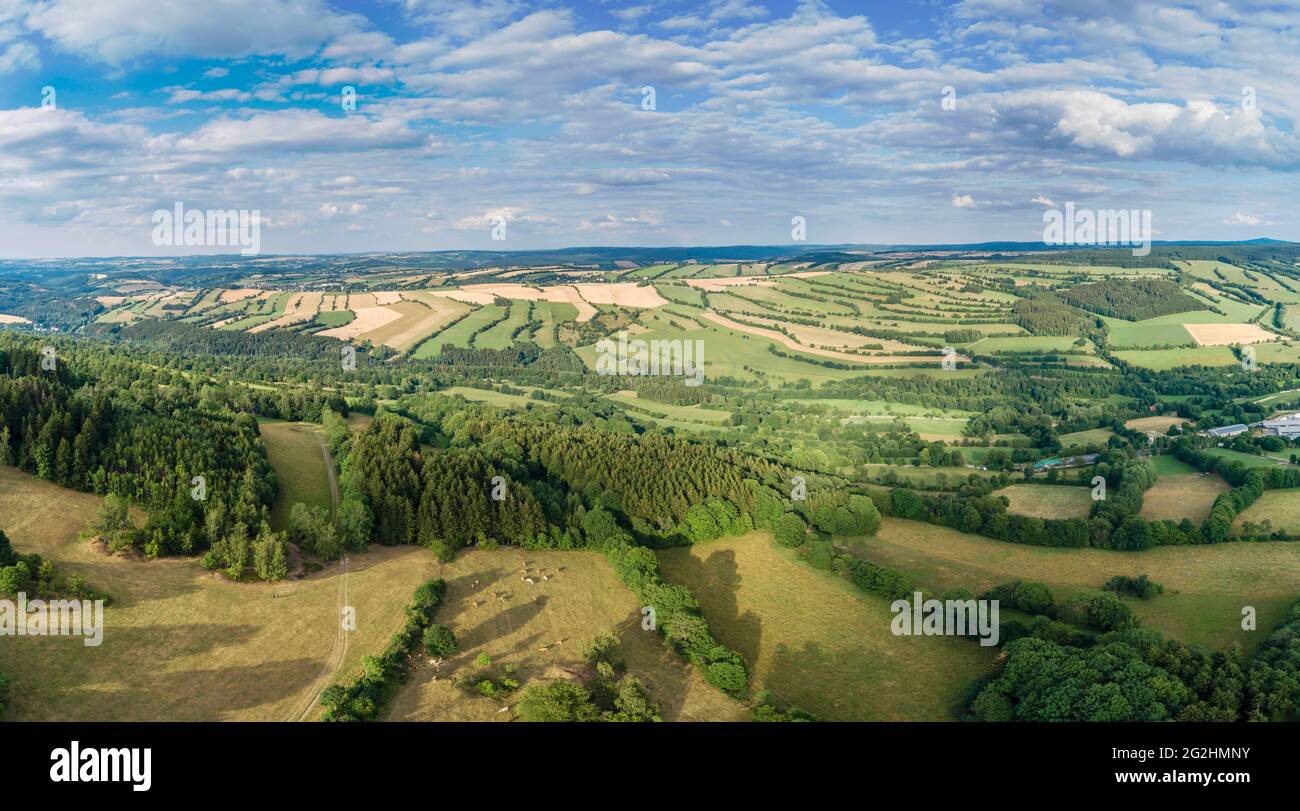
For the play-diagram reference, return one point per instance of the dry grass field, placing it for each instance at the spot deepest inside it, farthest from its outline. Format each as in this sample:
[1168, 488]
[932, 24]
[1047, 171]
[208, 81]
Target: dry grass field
[1048, 500]
[183, 644]
[418, 320]
[295, 450]
[1160, 424]
[1229, 334]
[1181, 492]
[371, 315]
[1281, 508]
[817, 641]
[539, 629]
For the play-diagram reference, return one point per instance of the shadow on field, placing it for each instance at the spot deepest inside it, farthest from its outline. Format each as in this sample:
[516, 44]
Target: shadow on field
[795, 671]
[164, 643]
[655, 656]
[130, 681]
[511, 619]
[472, 583]
[743, 632]
[214, 694]
[129, 583]
[713, 581]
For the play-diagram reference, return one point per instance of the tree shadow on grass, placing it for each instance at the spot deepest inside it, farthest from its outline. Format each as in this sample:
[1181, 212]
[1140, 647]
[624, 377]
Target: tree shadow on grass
[740, 631]
[512, 619]
[225, 690]
[466, 586]
[125, 678]
[804, 676]
[665, 674]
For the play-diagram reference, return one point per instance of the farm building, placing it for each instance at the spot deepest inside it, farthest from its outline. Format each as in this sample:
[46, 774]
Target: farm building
[1287, 427]
[1069, 461]
[1228, 430]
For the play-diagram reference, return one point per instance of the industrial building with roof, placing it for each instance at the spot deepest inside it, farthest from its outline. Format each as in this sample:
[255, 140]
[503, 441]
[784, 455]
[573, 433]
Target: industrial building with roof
[1287, 427]
[1228, 430]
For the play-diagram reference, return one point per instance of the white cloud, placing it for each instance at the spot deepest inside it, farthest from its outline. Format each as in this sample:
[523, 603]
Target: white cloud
[363, 45]
[19, 56]
[331, 77]
[333, 210]
[183, 95]
[536, 110]
[492, 216]
[117, 31]
[1242, 219]
[304, 130]
[462, 19]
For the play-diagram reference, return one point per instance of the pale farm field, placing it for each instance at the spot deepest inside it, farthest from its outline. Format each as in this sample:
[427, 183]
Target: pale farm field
[1229, 334]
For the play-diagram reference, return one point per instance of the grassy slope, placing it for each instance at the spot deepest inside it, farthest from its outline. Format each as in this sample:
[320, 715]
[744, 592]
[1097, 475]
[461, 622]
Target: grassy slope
[294, 449]
[1180, 492]
[1205, 586]
[815, 640]
[1048, 500]
[180, 643]
[1281, 507]
[581, 599]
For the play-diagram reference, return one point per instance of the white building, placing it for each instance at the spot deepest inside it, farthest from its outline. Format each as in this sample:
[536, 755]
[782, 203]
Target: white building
[1228, 430]
[1287, 427]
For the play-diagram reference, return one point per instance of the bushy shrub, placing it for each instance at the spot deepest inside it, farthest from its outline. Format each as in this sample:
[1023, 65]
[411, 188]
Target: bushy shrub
[439, 641]
[1141, 586]
[791, 530]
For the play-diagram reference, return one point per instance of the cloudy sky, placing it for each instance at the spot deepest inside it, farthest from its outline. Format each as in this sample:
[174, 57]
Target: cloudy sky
[704, 122]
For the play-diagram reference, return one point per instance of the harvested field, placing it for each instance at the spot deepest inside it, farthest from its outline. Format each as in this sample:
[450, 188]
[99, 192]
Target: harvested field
[714, 285]
[301, 307]
[417, 320]
[1229, 334]
[239, 294]
[509, 290]
[624, 294]
[1160, 424]
[582, 296]
[790, 343]
[568, 294]
[370, 317]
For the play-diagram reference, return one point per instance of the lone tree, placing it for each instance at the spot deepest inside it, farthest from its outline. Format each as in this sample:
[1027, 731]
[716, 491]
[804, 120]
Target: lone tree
[440, 641]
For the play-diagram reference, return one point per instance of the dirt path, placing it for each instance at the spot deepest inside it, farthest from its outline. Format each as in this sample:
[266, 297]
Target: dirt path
[329, 470]
[303, 711]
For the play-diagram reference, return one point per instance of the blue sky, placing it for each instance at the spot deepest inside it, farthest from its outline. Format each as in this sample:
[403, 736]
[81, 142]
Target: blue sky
[532, 113]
